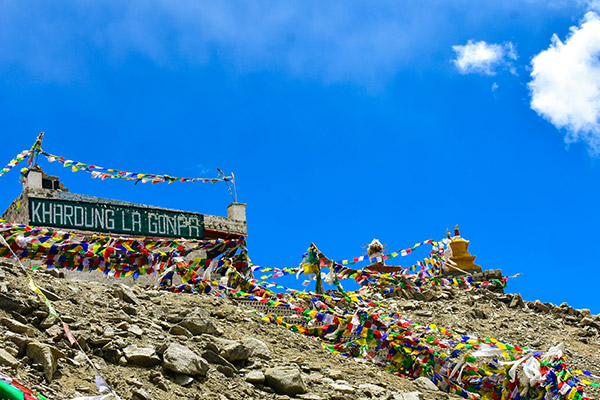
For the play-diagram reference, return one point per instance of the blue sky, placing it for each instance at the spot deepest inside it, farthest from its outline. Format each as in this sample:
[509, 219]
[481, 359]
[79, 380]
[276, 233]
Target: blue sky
[342, 121]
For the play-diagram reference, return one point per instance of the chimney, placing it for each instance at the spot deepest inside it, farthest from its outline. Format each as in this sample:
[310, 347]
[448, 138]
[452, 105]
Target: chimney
[236, 212]
[34, 179]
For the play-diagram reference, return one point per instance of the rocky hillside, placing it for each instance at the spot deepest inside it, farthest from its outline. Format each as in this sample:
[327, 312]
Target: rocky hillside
[150, 344]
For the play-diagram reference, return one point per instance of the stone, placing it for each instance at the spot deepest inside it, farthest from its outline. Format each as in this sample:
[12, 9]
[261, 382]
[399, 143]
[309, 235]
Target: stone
[257, 348]
[108, 332]
[214, 358]
[587, 321]
[134, 382]
[112, 356]
[285, 380]
[408, 396]
[49, 294]
[136, 330]
[56, 332]
[424, 313]
[426, 384]
[342, 388]
[516, 301]
[226, 370]
[179, 359]
[45, 355]
[7, 359]
[335, 374]
[100, 341]
[310, 396]
[163, 384]
[125, 293]
[372, 390]
[199, 323]
[17, 327]
[183, 380]
[255, 377]
[7, 303]
[142, 356]
[538, 305]
[140, 394]
[236, 351]
[48, 322]
[129, 310]
[179, 330]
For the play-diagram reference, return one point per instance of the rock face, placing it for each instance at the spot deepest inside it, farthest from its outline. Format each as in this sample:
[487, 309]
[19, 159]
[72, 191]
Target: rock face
[285, 380]
[181, 360]
[142, 356]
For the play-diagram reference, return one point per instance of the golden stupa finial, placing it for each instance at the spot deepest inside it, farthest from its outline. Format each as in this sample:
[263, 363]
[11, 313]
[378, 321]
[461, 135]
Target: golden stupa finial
[456, 233]
[448, 233]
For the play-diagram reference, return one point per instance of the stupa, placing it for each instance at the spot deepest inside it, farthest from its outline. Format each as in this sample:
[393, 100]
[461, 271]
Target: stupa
[461, 261]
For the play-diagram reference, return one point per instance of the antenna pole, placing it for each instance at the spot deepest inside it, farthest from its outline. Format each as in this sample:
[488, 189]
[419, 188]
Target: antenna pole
[36, 146]
[234, 189]
[228, 187]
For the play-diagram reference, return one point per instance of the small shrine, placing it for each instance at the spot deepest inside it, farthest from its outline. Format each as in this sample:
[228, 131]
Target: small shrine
[460, 261]
[375, 252]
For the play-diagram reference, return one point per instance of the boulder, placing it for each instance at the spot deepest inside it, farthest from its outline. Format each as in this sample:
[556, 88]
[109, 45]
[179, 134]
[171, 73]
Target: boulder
[426, 384]
[342, 388]
[45, 355]
[372, 390]
[285, 380]
[183, 380]
[587, 321]
[214, 358]
[125, 293]
[257, 348]
[181, 360]
[7, 359]
[255, 377]
[236, 351]
[517, 301]
[179, 330]
[199, 323]
[17, 327]
[408, 396]
[142, 356]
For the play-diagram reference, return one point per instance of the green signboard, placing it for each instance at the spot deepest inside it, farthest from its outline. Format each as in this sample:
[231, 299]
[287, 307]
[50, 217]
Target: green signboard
[110, 218]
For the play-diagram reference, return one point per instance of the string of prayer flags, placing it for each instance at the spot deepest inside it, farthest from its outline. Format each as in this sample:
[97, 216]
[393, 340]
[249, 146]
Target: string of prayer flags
[402, 253]
[20, 157]
[36, 289]
[104, 173]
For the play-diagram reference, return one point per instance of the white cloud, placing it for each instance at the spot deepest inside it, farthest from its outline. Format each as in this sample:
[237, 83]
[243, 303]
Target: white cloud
[565, 85]
[483, 58]
[594, 5]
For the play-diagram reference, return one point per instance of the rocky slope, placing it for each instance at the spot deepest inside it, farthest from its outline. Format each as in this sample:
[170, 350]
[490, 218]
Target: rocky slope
[150, 344]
